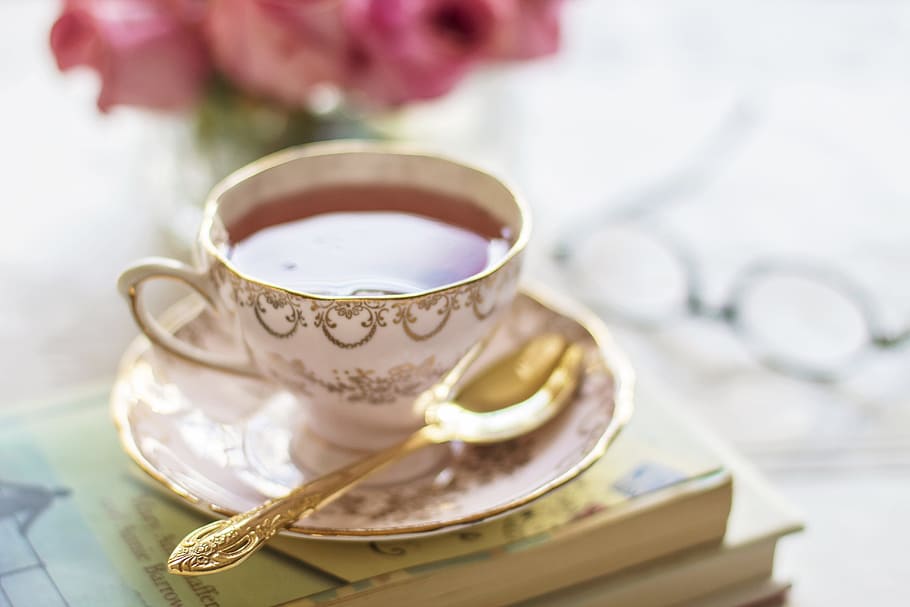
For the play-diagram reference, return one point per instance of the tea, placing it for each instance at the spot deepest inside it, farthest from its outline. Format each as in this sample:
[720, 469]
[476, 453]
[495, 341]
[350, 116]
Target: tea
[366, 240]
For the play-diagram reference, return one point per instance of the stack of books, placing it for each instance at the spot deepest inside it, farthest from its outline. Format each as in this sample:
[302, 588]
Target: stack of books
[667, 517]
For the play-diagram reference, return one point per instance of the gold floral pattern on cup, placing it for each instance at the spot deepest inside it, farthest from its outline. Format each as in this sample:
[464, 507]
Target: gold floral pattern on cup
[366, 386]
[281, 313]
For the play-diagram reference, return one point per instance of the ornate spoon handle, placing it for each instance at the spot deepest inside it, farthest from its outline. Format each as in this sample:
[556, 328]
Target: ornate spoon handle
[228, 542]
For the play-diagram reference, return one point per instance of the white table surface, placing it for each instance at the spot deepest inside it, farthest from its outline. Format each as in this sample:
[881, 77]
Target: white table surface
[639, 86]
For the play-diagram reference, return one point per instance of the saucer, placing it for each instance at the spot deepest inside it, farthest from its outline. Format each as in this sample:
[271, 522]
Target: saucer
[223, 442]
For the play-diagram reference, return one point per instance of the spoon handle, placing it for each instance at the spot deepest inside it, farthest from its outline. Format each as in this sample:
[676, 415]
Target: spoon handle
[226, 543]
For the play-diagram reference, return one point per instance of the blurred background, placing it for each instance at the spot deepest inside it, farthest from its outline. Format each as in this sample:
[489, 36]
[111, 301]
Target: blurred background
[725, 182]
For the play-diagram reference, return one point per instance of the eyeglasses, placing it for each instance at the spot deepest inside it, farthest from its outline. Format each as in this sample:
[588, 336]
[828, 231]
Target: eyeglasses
[802, 319]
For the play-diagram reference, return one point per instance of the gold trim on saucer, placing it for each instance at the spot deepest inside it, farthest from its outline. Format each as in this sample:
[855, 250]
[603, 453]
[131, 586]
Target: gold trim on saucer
[613, 359]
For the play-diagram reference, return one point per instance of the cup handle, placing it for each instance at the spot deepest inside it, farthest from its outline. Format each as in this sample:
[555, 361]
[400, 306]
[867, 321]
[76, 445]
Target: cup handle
[130, 286]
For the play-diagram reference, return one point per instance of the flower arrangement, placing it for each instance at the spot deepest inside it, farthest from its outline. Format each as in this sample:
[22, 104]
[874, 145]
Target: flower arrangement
[171, 54]
[256, 76]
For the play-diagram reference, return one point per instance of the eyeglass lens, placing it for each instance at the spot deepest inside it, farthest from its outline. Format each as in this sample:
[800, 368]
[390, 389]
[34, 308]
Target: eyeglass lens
[791, 319]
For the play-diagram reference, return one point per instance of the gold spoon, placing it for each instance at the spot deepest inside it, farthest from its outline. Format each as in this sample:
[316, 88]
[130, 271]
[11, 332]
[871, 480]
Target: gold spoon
[531, 386]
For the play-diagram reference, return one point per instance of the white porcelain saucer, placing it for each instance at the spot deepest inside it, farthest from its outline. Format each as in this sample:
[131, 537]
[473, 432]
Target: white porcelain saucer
[222, 442]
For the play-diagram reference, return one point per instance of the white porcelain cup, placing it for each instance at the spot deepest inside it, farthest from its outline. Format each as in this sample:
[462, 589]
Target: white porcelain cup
[356, 363]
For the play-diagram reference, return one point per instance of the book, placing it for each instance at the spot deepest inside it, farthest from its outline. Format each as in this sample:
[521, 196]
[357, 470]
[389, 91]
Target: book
[757, 593]
[78, 528]
[737, 571]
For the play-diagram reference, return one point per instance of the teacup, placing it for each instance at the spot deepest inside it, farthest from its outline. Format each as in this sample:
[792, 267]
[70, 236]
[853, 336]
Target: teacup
[356, 363]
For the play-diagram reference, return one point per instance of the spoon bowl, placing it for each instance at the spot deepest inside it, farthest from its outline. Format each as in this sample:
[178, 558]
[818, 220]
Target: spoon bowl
[462, 421]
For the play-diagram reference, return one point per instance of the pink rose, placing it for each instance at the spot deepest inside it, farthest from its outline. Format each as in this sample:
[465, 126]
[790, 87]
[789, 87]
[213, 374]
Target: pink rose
[191, 11]
[145, 53]
[417, 49]
[530, 29]
[279, 49]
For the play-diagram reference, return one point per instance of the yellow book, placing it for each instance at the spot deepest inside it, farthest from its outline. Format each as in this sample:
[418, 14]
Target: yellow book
[657, 491]
[737, 571]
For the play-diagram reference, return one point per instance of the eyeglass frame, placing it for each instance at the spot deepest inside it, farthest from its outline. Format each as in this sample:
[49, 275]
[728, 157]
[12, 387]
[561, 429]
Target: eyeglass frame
[692, 178]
